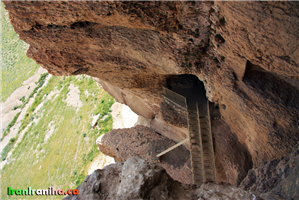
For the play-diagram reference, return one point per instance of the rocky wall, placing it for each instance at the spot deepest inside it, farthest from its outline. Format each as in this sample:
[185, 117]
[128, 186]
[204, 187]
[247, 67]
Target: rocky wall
[246, 54]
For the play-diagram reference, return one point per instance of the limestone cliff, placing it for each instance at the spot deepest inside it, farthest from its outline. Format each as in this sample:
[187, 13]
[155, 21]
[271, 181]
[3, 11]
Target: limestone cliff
[246, 54]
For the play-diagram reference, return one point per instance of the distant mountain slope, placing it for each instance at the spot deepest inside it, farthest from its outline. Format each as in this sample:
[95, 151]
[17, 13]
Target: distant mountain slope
[16, 67]
[52, 123]
[56, 138]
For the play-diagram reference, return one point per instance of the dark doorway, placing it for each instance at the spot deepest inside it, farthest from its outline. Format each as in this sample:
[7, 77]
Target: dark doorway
[191, 87]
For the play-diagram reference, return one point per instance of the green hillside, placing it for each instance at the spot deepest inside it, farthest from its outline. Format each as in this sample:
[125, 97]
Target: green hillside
[62, 160]
[16, 67]
[55, 144]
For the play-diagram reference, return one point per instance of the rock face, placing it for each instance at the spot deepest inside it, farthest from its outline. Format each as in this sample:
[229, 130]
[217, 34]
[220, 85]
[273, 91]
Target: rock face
[133, 46]
[143, 141]
[232, 166]
[280, 177]
[256, 81]
[236, 161]
[140, 179]
[134, 179]
[246, 54]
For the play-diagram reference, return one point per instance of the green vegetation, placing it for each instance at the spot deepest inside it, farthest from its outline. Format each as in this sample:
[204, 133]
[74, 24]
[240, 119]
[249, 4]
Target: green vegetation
[16, 67]
[11, 124]
[63, 158]
[39, 83]
[58, 141]
[7, 148]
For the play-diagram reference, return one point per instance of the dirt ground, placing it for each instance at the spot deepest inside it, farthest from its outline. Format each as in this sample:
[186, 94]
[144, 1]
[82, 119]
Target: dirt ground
[7, 114]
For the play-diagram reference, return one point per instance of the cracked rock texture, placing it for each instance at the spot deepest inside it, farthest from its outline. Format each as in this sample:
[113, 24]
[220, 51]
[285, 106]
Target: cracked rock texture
[246, 54]
[140, 179]
[256, 81]
[280, 177]
[143, 141]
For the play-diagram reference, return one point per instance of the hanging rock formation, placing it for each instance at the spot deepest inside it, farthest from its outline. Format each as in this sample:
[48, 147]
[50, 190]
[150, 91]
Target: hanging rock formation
[246, 54]
[142, 141]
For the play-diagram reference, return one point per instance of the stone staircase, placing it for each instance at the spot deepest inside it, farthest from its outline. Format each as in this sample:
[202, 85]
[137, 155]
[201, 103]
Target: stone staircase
[196, 151]
[200, 136]
[201, 146]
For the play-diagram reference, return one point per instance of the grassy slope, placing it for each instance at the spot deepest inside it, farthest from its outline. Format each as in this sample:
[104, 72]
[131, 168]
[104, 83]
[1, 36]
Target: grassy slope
[62, 160]
[16, 67]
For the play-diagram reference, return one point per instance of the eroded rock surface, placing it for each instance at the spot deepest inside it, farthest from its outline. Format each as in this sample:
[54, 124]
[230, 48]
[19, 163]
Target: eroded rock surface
[134, 179]
[255, 75]
[236, 161]
[246, 54]
[145, 142]
[280, 177]
[232, 166]
[140, 179]
[133, 46]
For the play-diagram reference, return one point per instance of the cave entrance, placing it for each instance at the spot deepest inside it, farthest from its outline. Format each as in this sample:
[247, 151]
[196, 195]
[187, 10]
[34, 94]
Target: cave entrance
[190, 87]
[188, 92]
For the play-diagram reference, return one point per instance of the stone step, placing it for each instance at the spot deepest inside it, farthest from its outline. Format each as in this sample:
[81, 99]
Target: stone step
[196, 153]
[208, 165]
[197, 173]
[195, 148]
[204, 119]
[201, 148]
[195, 140]
[197, 165]
[205, 137]
[197, 160]
[209, 169]
[198, 170]
[193, 128]
[194, 136]
[207, 162]
[207, 175]
[194, 143]
[205, 141]
[204, 126]
[207, 145]
[198, 181]
[198, 178]
[205, 131]
[207, 154]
